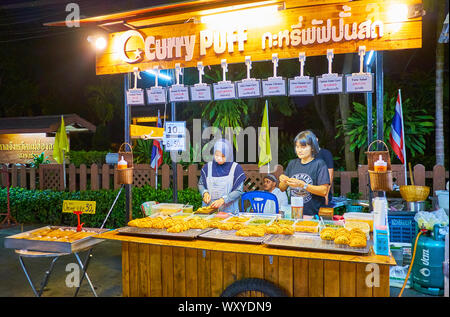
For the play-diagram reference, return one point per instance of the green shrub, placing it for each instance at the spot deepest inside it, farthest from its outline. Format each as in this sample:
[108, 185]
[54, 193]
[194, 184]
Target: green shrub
[87, 157]
[44, 206]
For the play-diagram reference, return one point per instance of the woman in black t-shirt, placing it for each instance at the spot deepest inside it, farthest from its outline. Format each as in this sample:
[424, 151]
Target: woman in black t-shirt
[307, 176]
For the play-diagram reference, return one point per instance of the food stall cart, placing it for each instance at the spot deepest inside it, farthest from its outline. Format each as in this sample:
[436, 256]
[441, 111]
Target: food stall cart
[168, 267]
[202, 33]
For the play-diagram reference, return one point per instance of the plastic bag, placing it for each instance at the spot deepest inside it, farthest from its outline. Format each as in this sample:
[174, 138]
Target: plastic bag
[427, 220]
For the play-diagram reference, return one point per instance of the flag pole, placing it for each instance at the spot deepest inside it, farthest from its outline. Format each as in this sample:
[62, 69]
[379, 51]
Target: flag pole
[403, 137]
[267, 133]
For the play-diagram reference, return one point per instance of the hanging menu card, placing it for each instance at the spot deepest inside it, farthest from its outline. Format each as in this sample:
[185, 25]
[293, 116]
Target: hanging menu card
[301, 86]
[248, 88]
[135, 97]
[178, 93]
[329, 84]
[355, 83]
[274, 86]
[224, 90]
[156, 95]
[201, 92]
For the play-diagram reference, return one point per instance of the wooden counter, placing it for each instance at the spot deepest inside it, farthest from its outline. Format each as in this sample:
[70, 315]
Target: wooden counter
[164, 267]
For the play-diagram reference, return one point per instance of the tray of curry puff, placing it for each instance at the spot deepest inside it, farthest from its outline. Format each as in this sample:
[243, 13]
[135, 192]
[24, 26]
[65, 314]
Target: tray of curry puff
[180, 225]
[54, 239]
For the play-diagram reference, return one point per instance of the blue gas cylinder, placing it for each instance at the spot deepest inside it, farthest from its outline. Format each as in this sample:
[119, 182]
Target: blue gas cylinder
[428, 277]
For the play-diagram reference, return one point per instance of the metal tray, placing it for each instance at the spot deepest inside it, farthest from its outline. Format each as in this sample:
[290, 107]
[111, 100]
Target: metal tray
[17, 242]
[230, 235]
[305, 241]
[162, 233]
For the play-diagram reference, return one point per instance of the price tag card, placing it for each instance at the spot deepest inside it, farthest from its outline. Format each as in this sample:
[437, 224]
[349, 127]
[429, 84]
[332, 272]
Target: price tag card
[156, 95]
[175, 129]
[135, 97]
[330, 84]
[249, 88]
[301, 86]
[87, 207]
[175, 144]
[355, 83]
[224, 90]
[201, 92]
[179, 93]
[274, 87]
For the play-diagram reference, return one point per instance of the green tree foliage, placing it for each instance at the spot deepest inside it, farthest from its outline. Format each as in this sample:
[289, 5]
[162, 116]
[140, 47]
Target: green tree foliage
[418, 123]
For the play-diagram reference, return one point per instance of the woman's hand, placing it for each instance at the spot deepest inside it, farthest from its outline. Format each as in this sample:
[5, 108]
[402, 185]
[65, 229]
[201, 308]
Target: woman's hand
[293, 182]
[283, 178]
[218, 203]
[206, 198]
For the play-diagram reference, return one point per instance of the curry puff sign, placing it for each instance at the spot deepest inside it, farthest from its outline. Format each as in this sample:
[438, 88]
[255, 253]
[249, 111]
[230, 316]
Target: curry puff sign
[285, 29]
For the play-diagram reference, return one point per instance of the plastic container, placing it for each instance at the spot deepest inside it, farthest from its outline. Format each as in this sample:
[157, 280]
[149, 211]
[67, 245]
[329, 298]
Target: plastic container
[402, 226]
[361, 217]
[443, 199]
[188, 209]
[364, 226]
[380, 165]
[167, 208]
[122, 164]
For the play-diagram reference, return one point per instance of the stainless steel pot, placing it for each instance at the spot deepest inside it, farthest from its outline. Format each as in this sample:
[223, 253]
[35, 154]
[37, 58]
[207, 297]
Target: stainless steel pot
[416, 206]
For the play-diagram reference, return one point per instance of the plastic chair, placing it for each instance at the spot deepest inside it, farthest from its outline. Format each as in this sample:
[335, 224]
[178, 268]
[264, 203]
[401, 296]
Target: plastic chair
[258, 200]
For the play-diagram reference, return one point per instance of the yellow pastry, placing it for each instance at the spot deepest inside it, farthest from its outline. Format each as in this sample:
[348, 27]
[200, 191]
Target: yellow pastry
[341, 239]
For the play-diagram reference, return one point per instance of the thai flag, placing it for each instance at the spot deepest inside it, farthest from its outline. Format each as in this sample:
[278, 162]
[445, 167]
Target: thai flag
[396, 138]
[157, 152]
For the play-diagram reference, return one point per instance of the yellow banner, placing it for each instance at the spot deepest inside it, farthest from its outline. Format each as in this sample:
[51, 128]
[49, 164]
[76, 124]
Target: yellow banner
[87, 207]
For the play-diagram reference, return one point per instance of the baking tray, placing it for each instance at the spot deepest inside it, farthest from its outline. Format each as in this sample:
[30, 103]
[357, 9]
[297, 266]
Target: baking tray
[306, 241]
[162, 233]
[230, 236]
[16, 241]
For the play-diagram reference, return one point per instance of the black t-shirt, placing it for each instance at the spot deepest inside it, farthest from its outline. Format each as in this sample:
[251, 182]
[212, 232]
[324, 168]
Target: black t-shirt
[327, 157]
[314, 173]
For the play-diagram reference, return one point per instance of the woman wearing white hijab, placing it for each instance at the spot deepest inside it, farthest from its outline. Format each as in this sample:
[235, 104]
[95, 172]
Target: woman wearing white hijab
[221, 181]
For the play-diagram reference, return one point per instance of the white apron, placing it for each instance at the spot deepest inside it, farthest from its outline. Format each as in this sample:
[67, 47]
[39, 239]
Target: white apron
[221, 186]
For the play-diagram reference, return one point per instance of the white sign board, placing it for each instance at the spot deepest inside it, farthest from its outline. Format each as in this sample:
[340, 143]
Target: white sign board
[301, 86]
[330, 84]
[274, 87]
[156, 95]
[249, 88]
[201, 92]
[135, 97]
[179, 93]
[355, 83]
[224, 90]
[175, 144]
[175, 129]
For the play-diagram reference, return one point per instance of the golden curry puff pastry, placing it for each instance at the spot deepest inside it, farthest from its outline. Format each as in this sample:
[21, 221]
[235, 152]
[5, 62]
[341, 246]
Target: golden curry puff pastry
[342, 239]
[328, 234]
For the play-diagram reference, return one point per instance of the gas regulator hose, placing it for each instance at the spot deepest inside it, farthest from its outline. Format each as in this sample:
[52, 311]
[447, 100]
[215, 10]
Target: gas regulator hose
[412, 263]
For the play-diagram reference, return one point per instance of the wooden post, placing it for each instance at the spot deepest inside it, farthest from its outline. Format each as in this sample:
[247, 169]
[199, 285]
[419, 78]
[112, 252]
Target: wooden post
[419, 175]
[32, 178]
[23, 177]
[72, 178]
[192, 176]
[105, 176]
[94, 177]
[438, 178]
[165, 173]
[180, 176]
[83, 177]
[14, 176]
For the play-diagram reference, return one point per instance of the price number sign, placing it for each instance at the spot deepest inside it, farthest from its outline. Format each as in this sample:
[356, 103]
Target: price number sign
[86, 207]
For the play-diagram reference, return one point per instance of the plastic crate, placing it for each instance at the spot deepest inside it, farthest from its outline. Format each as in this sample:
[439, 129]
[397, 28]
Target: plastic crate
[402, 226]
